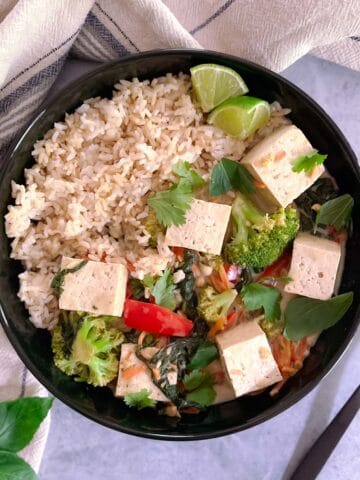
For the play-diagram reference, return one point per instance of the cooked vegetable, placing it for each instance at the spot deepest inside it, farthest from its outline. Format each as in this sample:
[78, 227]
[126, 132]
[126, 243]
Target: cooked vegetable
[258, 238]
[87, 347]
[230, 175]
[213, 305]
[336, 212]
[257, 296]
[58, 280]
[153, 227]
[136, 289]
[305, 316]
[277, 269]
[163, 290]
[204, 355]
[155, 319]
[187, 286]
[320, 192]
[200, 385]
[139, 399]
[306, 163]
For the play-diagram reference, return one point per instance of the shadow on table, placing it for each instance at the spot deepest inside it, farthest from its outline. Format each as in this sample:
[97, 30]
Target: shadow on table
[320, 412]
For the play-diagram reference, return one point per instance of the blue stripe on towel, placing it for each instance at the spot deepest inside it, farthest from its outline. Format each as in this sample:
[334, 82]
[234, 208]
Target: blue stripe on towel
[44, 75]
[105, 34]
[23, 382]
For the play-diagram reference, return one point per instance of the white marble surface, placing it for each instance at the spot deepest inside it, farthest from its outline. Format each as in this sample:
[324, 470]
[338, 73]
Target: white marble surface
[79, 449]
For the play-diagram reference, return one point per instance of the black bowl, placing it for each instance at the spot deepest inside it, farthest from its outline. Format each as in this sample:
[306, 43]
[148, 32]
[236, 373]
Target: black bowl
[33, 345]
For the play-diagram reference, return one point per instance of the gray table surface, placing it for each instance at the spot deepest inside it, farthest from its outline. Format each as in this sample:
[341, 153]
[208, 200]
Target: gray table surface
[79, 449]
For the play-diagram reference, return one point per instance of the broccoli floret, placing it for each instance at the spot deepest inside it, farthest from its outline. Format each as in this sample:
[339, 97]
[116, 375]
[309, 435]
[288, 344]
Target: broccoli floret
[153, 228]
[214, 261]
[87, 347]
[259, 238]
[213, 305]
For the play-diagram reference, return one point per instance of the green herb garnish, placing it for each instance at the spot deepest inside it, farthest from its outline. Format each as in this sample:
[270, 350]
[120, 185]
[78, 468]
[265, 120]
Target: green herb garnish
[204, 355]
[305, 316]
[162, 289]
[257, 296]
[199, 384]
[184, 170]
[230, 175]
[139, 399]
[336, 212]
[307, 163]
[19, 420]
[171, 205]
[58, 280]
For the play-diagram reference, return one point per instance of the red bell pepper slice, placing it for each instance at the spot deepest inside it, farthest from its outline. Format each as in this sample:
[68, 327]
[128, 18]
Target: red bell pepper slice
[155, 319]
[279, 268]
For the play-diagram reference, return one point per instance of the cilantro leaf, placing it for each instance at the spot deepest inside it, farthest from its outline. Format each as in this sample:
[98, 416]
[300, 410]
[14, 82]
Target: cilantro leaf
[307, 163]
[203, 396]
[305, 316]
[139, 399]
[183, 170]
[197, 378]
[205, 354]
[164, 291]
[257, 296]
[171, 205]
[228, 175]
[336, 212]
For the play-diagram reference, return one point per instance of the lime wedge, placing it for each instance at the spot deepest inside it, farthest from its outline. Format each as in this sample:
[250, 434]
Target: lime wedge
[214, 83]
[240, 116]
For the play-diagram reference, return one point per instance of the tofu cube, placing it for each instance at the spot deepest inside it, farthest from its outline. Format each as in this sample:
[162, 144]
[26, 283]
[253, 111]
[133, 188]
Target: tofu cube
[141, 377]
[96, 287]
[204, 229]
[314, 266]
[270, 162]
[248, 359]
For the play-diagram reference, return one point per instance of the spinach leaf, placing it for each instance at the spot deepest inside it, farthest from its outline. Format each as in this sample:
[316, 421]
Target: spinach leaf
[228, 175]
[320, 192]
[187, 286]
[137, 288]
[12, 467]
[336, 212]
[19, 420]
[306, 163]
[256, 296]
[204, 355]
[58, 280]
[305, 316]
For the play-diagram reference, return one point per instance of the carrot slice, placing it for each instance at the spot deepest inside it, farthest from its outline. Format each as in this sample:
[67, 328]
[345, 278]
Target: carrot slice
[132, 371]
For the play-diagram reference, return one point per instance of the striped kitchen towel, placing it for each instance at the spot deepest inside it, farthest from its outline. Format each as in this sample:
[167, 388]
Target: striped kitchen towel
[36, 36]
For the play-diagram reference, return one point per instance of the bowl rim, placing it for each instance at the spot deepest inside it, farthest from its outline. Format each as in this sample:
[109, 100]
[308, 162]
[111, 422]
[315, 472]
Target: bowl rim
[273, 410]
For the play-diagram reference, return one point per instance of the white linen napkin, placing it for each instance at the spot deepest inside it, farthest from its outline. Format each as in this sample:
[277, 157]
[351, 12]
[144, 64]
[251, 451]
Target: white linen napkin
[36, 36]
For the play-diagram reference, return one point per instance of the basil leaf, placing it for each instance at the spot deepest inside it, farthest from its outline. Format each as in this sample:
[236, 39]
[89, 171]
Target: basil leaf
[13, 467]
[204, 355]
[228, 175]
[198, 378]
[305, 316]
[257, 296]
[203, 396]
[19, 420]
[336, 212]
[307, 163]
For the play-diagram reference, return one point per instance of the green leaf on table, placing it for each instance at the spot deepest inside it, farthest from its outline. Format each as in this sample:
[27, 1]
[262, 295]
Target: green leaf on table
[171, 205]
[12, 467]
[206, 353]
[306, 163]
[139, 399]
[19, 420]
[305, 316]
[230, 175]
[336, 212]
[184, 170]
[255, 296]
